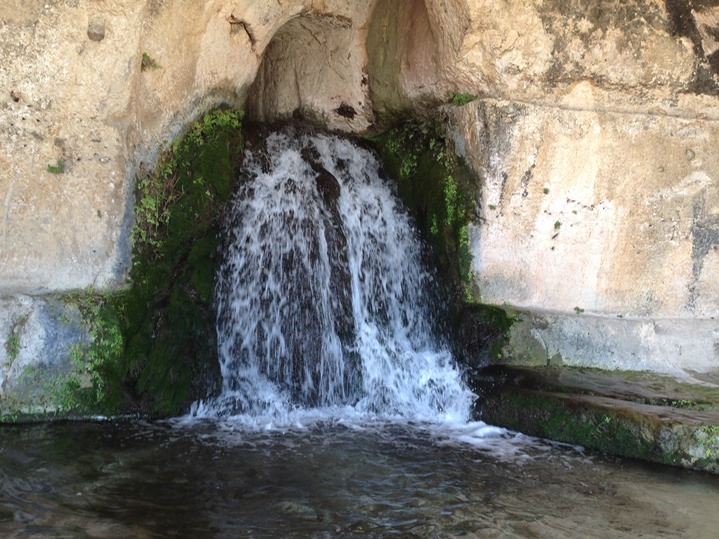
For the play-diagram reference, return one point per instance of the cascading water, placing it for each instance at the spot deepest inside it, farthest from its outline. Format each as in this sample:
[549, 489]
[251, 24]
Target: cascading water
[322, 299]
[323, 316]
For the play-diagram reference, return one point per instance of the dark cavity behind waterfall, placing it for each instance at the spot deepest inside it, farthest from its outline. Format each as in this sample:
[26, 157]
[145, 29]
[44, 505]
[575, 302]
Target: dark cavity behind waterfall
[323, 300]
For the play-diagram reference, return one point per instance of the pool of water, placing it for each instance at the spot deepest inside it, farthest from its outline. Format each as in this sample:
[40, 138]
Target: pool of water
[333, 479]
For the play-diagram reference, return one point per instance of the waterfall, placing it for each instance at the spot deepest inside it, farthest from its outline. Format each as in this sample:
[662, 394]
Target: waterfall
[323, 301]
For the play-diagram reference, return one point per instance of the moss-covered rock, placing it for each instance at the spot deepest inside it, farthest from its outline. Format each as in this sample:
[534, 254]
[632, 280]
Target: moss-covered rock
[168, 321]
[636, 415]
[153, 347]
[39, 336]
[438, 189]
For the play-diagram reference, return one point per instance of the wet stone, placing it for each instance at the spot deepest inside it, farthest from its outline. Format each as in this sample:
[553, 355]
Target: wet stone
[630, 414]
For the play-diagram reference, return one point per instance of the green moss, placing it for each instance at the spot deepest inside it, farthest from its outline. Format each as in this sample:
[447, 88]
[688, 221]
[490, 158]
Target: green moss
[572, 407]
[550, 417]
[437, 188]
[148, 63]
[707, 439]
[481, 334]
[13, 342]
[98, 363]
[171, 356]
[57, 168]
[460, 98]
[153, 346]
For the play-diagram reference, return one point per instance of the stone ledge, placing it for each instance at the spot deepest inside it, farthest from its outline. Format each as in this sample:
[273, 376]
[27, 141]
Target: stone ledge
[665, 345]
[629, 414]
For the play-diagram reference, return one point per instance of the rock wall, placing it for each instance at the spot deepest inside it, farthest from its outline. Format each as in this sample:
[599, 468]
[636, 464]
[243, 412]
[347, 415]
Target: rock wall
[314, 71]
[96, 90]
[608, 106]
[91, 93]
[599, 214]
[616, 213]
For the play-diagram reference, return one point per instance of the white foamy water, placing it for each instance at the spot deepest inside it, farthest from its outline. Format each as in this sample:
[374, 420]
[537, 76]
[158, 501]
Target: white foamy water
[323, 301]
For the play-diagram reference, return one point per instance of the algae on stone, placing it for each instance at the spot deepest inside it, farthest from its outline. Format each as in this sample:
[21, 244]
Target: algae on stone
[635, 415]
[437, 188]
[153, 346]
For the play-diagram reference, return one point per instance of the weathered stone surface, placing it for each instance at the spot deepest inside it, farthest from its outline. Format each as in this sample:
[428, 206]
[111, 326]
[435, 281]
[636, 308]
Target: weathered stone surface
[613, 213]
[409, 50]
[75, 90]
[679, 346]
[635, 415]
[610, 219]
[61, 230]
[643, 55]
[72, 96]
[37, 337]
[96, 30]
[313, 70]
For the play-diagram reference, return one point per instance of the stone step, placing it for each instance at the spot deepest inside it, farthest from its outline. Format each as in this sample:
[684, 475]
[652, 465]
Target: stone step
[629, 414]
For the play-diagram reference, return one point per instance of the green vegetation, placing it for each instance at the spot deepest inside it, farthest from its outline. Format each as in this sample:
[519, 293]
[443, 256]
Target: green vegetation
[9, 418]
[96, 379]
[57, 168]
[557, 225]
[13, 343]
[708, 440]
[681, 403]
[153, 346]
[12, 346]
[563, 404]
[549, 416]
[437, 188]
[459, 99]
[167, 316]
[148, 63]
[578, 310]
[489, 327]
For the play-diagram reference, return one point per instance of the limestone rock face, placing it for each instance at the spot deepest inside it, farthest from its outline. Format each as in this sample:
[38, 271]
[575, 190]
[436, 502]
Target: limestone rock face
[617, 213]
[307, 57]
[539, 46]
[93, 91]
[63, 95]
[598, 215]
[643, 55]
[409, 52]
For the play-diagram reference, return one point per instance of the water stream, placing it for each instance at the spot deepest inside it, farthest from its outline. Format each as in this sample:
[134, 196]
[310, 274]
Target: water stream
[323, 298]
[342, 413]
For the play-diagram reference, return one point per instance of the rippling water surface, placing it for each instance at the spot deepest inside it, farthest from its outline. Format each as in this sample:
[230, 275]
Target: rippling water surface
[333, 479]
